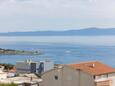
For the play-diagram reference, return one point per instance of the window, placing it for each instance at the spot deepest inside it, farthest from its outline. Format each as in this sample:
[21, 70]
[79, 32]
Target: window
[94, 77]
[107, 75]
[56, 77]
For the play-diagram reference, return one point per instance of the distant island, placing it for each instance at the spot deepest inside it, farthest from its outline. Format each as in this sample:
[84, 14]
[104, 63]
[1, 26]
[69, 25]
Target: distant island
[18, 52]
[81, 32]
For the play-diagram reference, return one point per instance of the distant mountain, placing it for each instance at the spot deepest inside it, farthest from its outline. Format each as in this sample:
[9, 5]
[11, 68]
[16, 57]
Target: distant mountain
[81, 32]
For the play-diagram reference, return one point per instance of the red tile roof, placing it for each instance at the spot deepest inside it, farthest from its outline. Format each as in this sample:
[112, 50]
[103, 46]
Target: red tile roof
[93, 68]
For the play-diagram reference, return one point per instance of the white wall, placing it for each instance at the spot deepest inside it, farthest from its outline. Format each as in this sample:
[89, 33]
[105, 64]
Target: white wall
[3, 75]
[111, 75]
[22, 67]
[105, 77]
[1, 68]
[48, 65]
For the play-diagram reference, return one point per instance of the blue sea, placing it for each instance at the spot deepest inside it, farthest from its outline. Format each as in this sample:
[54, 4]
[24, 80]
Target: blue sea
[61, 49]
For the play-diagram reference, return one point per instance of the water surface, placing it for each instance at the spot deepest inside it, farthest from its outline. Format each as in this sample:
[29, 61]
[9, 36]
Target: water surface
[61, 49]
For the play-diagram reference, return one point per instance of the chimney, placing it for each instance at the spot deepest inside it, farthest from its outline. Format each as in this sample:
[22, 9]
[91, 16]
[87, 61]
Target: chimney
[93, 65]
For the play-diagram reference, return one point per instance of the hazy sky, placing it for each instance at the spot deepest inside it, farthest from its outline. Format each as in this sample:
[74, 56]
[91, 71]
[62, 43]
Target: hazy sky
[29, 15]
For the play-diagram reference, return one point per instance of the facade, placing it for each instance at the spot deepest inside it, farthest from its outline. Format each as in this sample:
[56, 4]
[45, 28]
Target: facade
[29, 66]
[82, 74]
[102, 74]
[1, 68]
[44, 66]
[25, 67]
[3, 75]
[67, 76]
[23, 80]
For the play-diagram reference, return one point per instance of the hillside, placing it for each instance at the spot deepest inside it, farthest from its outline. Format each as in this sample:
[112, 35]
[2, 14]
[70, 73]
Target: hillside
[87, 31]
[18, 52]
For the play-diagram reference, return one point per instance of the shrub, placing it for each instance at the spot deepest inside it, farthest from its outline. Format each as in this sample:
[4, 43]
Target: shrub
[7, 66]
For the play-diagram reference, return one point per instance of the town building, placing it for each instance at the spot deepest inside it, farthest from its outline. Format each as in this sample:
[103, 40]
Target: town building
[83, 74]
[8, 77]
[30, 66]
[44, 66]
[23, 80]
[27, 66]
[3, 75]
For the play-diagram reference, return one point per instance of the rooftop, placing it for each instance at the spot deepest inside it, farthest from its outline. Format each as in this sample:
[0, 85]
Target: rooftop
[93, 68]
[27, 78]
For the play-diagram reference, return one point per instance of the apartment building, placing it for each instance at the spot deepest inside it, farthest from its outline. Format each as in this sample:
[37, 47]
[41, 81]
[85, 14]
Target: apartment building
[27, 66]
[83, 74]
[30, 66]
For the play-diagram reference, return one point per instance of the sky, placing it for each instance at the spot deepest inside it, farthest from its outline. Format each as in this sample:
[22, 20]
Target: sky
[35, 15]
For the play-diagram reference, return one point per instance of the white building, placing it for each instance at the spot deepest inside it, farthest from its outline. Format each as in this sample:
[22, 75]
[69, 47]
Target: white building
[44, 66]
[23, 80]
[3, 75]
[1, 68]
[82, 74]
[29, 66]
